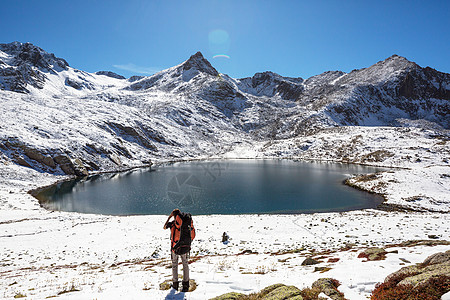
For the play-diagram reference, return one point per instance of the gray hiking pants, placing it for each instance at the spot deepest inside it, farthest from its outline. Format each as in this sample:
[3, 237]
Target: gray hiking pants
[184, 260]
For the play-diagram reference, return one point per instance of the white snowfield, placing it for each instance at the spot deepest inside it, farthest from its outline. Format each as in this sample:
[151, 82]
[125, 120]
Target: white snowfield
[186, 112]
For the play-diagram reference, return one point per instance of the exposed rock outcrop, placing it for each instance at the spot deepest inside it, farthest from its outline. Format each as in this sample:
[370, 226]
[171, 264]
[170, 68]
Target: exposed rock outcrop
[372, 254]
[428, 280]
[110, 74]
[310, 261]
[274, 292]
[279, 291]
[26, 65]
[435, 265]
[329, 286]
[44, 159]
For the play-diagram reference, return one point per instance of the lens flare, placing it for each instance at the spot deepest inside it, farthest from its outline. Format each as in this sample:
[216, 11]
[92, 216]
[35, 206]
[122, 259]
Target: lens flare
[218, 36]
[219, 42]
[221, 56]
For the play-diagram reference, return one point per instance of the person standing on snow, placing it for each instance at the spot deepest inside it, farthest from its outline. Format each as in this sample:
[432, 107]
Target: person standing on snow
[182, 232]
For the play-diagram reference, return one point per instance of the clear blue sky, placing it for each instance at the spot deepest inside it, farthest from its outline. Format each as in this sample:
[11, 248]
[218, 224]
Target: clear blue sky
[292, 38]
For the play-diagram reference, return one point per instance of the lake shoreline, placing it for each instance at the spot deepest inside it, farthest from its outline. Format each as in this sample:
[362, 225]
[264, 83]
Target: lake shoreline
[42, 199]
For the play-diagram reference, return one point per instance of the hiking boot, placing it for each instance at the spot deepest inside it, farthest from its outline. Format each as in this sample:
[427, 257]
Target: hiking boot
[185, 286]
[175, 285]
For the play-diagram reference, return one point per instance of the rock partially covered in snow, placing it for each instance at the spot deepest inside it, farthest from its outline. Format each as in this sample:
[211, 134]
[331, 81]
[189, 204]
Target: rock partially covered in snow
[110, 74]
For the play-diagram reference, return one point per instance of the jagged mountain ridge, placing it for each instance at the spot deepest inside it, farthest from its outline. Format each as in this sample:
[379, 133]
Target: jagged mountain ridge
[76, 122]
[390, 89]
[349, 99]
[20, 67]
[26, 68]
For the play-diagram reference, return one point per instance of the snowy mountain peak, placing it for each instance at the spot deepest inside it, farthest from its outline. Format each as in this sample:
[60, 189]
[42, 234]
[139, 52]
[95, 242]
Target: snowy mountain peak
[398, 62]
[175, 78]
[23, 65]
[271, 76]
[26, 53]
[270, 84]
[26, 68]
[200, 63]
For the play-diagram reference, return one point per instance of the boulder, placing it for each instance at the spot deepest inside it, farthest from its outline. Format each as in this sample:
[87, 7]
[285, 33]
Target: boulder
[277, 291]
[428, 280]
[427, 273]
[164, 286]
[329, 286]
[433, 266]
[310, 261]
[283, 292]
[229, 296]
[373, 254]
[437, 258]
[270, 288]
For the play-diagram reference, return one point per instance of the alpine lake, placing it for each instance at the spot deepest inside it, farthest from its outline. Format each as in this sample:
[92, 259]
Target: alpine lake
[215, 187]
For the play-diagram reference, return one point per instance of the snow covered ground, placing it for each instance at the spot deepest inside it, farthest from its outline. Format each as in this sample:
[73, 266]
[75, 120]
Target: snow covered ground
[46, 253]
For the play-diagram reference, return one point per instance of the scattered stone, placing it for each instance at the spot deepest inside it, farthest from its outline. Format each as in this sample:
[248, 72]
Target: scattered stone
[248, 251]
[372, 254]
[349, 245]
[322, 269]
[310, 261]
[433, 236]
[377, 156]
[329, 287]
[19, 295]
[165, 285]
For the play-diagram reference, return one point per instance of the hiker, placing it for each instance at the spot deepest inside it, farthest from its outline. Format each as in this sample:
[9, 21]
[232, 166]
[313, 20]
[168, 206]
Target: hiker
[182, 232]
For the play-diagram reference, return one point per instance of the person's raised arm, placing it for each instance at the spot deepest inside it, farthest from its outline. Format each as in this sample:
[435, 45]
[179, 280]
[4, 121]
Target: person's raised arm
[168, 219]
[167, 222]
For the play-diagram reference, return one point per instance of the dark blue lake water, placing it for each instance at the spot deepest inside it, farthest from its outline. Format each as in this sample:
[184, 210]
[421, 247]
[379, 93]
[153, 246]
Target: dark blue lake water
[215, 187]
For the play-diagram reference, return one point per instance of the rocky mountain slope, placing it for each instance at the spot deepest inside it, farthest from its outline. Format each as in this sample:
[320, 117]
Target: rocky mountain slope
[66, 121]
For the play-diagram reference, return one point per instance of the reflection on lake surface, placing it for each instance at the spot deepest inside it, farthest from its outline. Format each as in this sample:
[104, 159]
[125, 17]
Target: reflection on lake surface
[215, 187]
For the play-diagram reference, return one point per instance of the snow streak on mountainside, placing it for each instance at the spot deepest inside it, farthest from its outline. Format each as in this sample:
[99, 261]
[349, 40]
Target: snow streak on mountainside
[62, 120]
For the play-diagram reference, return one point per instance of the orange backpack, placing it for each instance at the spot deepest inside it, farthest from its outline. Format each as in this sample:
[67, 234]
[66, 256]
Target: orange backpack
[182, 233]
